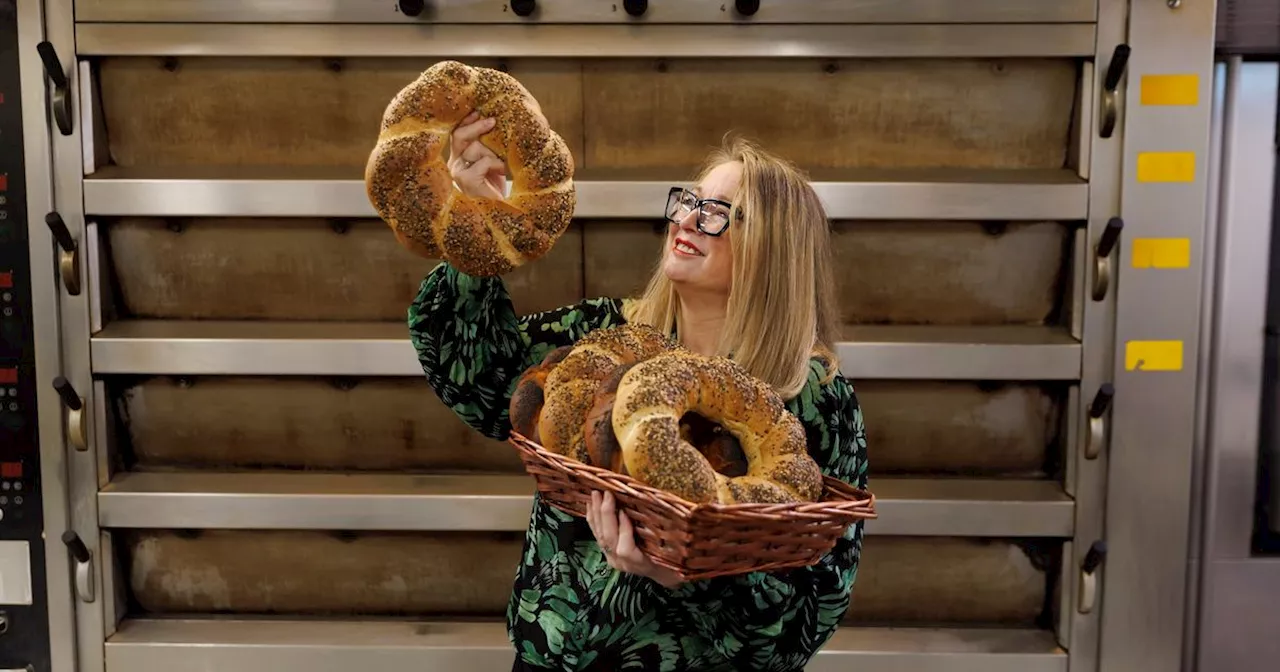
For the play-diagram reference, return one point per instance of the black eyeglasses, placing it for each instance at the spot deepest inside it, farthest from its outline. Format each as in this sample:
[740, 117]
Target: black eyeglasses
[713, 213]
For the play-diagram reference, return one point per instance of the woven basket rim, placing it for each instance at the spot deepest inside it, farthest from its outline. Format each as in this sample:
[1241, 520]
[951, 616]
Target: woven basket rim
[853, 499]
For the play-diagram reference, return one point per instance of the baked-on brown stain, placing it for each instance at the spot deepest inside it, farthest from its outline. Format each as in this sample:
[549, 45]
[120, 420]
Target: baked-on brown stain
[612, 113]
[913, 427]
[870, 113]
[961, 428]
[943, 273]
[232, 111]
[296, 269]
[902, 580]
[380, 425]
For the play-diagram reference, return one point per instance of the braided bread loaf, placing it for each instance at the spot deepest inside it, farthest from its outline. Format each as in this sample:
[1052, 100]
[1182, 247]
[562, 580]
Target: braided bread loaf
[572, 385]
[653, 397]
[409, 184]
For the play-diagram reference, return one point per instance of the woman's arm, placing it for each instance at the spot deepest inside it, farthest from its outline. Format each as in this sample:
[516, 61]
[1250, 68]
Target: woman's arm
[779, 620]
[473, 347]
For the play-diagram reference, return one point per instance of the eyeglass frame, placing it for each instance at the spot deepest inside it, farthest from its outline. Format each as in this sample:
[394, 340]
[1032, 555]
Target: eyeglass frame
[697, 207]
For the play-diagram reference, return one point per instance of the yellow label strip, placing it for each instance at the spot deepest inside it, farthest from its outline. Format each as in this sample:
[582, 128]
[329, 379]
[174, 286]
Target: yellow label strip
[1167, 167]
[1153, 356]
[1170, 90]
[1161, 252]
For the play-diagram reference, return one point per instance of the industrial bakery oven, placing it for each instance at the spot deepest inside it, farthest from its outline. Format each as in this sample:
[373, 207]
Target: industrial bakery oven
[262, 480]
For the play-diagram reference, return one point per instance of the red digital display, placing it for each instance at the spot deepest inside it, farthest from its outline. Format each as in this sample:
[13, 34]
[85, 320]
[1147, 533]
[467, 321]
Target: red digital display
[4, 181]
[9, 375]
[10, 470]
[6, 280]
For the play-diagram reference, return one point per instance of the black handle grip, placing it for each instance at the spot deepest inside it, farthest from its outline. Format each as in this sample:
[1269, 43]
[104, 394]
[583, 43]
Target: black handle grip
[747, 7]
[78, 550]
[524, 7]
[67, 393]
[1115, 69]
[1110, 235]
[635, 7]
[61, 233]
[52, 66]
[1097, 553]
[1102, 400]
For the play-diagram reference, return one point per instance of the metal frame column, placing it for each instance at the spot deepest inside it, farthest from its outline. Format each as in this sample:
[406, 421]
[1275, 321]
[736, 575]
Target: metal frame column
[76, 400]
[1087, 459]
[37, 125]
[1163, 205]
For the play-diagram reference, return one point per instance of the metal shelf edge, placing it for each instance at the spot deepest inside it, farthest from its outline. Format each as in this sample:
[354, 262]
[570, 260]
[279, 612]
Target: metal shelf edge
[383, 349]
[293, 501]
[558, 40]
[259, 645]
[900, 200]
[685, 11]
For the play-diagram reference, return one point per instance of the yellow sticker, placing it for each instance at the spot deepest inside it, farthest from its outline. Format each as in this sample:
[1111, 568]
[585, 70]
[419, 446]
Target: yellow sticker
[1161, 252]
[1170, 89]
[1153, 356]
[1167, 167]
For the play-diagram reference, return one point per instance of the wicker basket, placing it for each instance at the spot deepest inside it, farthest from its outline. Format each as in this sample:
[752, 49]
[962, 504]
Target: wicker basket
[702, 541]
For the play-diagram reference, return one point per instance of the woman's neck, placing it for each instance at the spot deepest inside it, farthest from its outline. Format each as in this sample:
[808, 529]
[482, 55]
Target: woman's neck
[701, 323]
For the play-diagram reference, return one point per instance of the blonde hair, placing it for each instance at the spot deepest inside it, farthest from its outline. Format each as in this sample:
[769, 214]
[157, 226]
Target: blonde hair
[782, 307]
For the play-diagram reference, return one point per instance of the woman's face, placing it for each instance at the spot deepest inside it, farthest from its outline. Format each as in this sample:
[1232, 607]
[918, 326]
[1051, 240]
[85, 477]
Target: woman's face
[693, 259]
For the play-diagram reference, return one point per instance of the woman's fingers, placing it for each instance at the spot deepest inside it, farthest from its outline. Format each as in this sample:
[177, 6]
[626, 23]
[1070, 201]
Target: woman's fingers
[595, 518]
[467, 133]
[626, 548]
[474, 179]
[476, 169]
[481, 168]
[591, 512]
[476, 151]
[615, 534]
[607, 519]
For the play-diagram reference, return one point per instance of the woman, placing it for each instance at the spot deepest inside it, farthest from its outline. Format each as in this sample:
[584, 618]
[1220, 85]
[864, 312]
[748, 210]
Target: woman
[745, 269]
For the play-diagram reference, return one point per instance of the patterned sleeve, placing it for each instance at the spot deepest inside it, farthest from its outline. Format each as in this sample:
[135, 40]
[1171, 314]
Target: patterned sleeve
[778, 620]
[473, 347]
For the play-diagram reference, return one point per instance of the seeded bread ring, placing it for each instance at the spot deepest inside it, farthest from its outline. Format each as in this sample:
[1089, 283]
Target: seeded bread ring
[656, 393]
[601, 444]
[571, 387]
[409, 184]
[530, 394]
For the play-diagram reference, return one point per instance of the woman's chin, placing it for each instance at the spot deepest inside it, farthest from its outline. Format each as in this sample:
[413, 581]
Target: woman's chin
[680, 271]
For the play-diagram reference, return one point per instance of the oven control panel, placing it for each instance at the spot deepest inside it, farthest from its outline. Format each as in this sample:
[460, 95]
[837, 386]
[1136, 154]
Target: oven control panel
[24, 622]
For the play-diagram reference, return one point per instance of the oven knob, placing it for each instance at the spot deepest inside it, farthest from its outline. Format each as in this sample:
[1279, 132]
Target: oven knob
[412, 7]
[635, 7]
[747, 7]
[523, 7]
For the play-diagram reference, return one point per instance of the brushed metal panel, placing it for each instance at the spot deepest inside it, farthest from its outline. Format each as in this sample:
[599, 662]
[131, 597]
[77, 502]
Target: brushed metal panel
[680, 11]
[340, 646]
[596, 41]
[194, 500]
[892, 194]
[383, 349]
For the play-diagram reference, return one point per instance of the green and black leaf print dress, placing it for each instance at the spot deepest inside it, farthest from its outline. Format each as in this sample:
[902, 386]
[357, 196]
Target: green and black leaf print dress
[569, 609]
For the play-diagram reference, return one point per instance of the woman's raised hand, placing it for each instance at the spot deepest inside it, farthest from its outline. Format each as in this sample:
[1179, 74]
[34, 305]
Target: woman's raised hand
[475, 168]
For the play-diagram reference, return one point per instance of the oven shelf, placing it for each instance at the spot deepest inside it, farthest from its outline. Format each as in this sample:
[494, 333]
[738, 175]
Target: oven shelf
[435, 503]
[901, 194]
